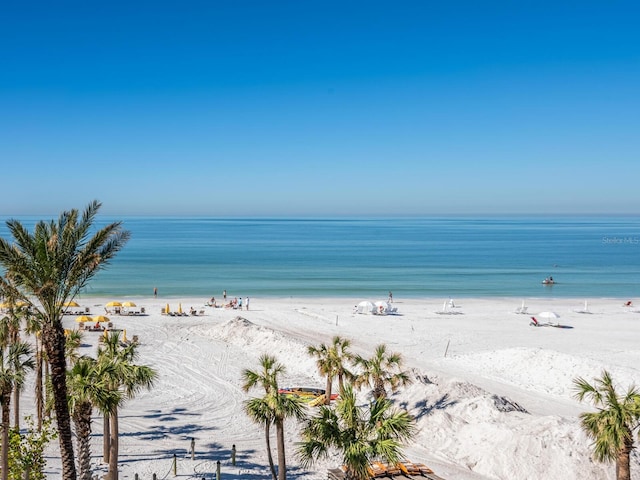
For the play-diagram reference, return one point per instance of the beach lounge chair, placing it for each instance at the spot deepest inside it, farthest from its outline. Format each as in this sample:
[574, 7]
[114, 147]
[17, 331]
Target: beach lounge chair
[376, 469]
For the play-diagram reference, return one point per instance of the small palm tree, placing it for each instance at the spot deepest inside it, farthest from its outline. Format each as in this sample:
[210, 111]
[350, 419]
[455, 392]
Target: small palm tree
[331, 361]
[273, 408]
[88, 388]
[121, 374]
[380, 371]
[53, 264]
[612, 427]
[15, 360]
[359, 434]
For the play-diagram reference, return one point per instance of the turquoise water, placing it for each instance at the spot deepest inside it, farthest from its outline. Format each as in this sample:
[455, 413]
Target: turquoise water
[413, 257]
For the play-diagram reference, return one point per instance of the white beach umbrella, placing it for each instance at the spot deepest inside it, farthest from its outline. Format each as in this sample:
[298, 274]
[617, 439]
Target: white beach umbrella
[548, 315]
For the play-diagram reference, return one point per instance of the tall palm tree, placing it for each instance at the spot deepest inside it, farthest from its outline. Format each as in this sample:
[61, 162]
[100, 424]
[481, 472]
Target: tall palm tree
[358, 434]
[273, 407]
[87, 388]
[34, 327]
[53, 264]
[122, 375]
[10, 334]
[331, 362]
[380, 371]
[612, 427]
[15, 360]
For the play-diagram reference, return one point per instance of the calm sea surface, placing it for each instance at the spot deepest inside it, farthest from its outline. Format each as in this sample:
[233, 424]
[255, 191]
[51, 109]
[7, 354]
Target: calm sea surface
[413, 257]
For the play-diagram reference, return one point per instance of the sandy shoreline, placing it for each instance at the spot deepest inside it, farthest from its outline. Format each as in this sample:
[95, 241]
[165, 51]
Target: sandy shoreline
[470, 404]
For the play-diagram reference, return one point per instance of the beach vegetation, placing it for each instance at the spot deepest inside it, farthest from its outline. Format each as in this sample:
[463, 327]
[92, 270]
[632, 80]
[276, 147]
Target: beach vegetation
[613, 426]
[359, 434]
[332, 361]
[121, 374]
[26, 450]
[381, 371]
[53, 264]
[15, 360]
[89, 386]
[272, 408]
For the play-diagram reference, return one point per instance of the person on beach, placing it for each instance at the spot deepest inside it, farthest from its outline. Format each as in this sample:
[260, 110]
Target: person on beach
[224, 295]
[390, 297]
[246, 300]
[240, 303]
[155, 292]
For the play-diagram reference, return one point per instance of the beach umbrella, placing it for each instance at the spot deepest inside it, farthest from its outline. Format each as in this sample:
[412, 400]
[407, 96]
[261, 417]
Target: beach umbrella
[548, 315]
[100, 319]
[166, 309]
[114, 304]
[83, 318]
[71, 304]
[179, 308]
[128, 304]
[124, 335]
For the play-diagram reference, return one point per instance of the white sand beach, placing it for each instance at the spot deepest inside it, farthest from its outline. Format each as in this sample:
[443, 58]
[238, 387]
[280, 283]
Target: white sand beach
[499, 405]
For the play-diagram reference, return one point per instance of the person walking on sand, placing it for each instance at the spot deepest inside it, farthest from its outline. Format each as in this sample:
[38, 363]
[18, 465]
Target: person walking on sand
[390, 297]
[224, 295]
[155, 292]
[246, 301]
[240, 303]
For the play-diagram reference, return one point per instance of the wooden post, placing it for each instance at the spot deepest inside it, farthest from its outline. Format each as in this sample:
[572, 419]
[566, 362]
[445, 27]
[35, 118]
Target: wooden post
[193, 448]
[447, 349]
[233, 455]
[218, 470]
[336, 320]
[155, 477]
[175, 465]
[135, 476]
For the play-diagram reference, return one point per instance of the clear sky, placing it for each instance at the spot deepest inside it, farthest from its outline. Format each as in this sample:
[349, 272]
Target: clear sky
[320, 108]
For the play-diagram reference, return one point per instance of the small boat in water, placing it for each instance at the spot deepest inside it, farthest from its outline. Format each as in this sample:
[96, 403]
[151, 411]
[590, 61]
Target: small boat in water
[548, 281]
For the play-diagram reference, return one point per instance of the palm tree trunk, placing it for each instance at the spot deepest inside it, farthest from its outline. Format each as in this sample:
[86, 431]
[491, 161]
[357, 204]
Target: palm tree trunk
[16, 408]
[113, 450]
[267, 434]
[38, 387]
[282, 462]
[82, 421]
[623, 469]
[6, 405]
[54, 342]
[327, 392]
[106, 437]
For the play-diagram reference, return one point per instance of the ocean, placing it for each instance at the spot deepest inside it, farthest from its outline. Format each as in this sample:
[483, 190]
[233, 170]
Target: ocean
[368, 257]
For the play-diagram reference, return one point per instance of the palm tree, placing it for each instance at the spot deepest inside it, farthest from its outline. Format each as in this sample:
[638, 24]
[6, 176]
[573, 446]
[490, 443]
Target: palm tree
[257, 410]
[612, 426]
[380, 371]
[53, 264]
[273, 408]
[87, 388]
[10, 334]
[358, 434]
[15, 360]
[34, 327]
[121, 375]
[331, 361]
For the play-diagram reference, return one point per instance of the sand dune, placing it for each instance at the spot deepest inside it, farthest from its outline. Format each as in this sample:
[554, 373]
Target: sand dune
[498, 406]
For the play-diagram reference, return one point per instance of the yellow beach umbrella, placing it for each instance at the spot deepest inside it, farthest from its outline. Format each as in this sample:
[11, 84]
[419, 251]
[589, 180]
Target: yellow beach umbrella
[128, 304]
[21, 304]
[124, 335]
[179, 308]
[166, 309]
[114, 304]
[83, 318]
[71, 304]
[100, 319]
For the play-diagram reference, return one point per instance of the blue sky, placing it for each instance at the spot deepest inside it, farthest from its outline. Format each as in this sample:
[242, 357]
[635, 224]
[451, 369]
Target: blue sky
[320, 108]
